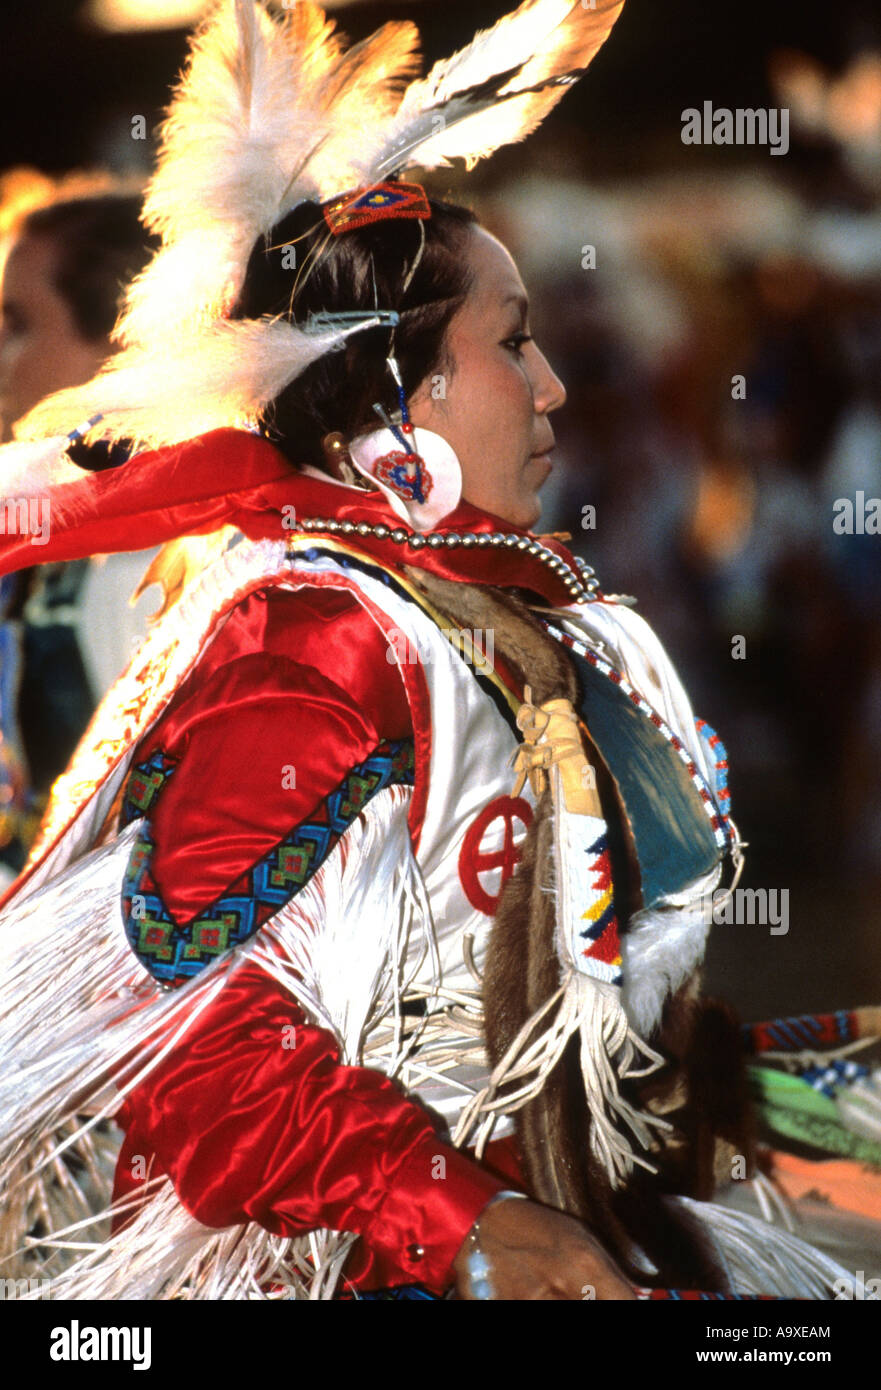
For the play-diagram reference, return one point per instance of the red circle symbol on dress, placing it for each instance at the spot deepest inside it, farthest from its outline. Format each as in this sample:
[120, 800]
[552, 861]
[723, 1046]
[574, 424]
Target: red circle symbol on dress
[474, 861]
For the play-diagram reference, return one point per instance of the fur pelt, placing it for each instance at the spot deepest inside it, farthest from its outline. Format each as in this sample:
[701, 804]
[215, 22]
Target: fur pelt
[534, 658]
[701, 1090]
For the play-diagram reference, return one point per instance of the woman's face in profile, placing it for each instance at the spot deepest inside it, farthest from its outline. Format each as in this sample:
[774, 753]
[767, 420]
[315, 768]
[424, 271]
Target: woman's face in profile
[41, 347]
[499, 391]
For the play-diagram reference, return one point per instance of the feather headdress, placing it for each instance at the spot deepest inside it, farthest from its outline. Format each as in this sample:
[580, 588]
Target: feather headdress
[271, 112]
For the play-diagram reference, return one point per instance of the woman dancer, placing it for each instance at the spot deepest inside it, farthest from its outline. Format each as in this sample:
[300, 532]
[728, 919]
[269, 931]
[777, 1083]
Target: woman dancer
[387, 860]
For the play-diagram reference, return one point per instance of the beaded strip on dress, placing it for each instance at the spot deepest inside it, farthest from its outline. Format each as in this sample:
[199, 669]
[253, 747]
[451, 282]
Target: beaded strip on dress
[174, 953]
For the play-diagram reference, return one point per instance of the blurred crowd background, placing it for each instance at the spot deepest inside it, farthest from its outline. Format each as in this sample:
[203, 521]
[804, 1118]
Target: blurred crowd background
[713, 505]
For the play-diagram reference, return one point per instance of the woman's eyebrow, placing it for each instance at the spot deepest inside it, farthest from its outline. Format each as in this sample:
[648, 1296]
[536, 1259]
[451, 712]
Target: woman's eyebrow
[520, 300]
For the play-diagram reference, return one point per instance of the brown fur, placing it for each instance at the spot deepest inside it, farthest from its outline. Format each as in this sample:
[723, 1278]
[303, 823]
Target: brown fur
[536, 659]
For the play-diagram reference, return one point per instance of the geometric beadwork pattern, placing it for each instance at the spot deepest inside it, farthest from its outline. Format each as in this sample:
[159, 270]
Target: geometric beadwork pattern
[143, 787]
[600, 934]
[717, 748]
[173, 953]
[804, 1033]
[834, 1076]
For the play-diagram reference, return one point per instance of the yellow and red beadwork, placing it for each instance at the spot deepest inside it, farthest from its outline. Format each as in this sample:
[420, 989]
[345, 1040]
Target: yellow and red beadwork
[382, 202]
[600, 933]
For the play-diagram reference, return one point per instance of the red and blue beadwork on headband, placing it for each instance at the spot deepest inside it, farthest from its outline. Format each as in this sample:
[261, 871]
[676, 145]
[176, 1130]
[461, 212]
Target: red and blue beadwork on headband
[379, 203]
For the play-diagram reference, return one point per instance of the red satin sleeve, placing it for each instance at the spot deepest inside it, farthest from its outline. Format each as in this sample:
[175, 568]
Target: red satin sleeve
[249, 1128]
[293, 692]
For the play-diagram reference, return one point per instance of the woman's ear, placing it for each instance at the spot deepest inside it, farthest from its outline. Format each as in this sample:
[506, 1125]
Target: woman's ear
[336, 457]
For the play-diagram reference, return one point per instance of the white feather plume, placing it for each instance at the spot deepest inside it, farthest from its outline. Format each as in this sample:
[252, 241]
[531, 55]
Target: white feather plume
[30, 469]
[242, 145]
[223, 374]
[459, 111]
[270, 112]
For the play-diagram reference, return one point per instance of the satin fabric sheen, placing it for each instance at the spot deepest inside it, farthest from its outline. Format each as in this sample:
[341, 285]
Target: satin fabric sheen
[296, 689]
[251, 1130]
[246, 1128]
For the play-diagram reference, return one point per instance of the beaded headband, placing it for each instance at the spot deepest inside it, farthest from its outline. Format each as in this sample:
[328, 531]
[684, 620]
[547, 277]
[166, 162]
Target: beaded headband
[382, 202]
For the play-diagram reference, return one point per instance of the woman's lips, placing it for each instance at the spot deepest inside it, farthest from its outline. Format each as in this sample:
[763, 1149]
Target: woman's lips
[545, 451]
[543, 458]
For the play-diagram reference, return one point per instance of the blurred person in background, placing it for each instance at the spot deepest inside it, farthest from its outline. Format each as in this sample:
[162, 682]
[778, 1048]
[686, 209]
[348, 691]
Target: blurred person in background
[69, 248]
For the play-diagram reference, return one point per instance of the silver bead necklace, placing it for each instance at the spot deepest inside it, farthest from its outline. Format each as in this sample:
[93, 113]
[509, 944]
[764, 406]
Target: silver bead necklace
[582, 588]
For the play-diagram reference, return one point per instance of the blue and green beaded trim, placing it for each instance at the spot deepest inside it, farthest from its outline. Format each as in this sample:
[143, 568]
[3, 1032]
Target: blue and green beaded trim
[174, 953]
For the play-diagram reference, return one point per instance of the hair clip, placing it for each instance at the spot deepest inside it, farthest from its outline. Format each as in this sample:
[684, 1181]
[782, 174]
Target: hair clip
[326, 320]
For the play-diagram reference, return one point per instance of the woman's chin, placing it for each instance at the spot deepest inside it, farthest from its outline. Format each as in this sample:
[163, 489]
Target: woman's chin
[527, 510]
[524, 515]
[520, 507]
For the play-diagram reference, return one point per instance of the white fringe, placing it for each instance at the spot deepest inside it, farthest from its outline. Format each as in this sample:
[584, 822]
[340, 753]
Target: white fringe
[610, 1051]
[66, 976]
[76, 1004]
[340, 945]
[75, 1009]
[164, 1253]
[762, 1259]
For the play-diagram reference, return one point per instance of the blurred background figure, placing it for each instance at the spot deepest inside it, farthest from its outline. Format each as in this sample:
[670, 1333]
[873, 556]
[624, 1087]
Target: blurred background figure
[69, 247]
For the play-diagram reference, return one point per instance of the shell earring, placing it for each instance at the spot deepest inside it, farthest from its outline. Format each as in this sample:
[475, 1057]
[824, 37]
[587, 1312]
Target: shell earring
[421, 477]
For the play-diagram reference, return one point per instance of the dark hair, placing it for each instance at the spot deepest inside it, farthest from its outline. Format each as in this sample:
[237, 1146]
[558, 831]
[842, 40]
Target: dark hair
[100, 245]
[364, 268]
